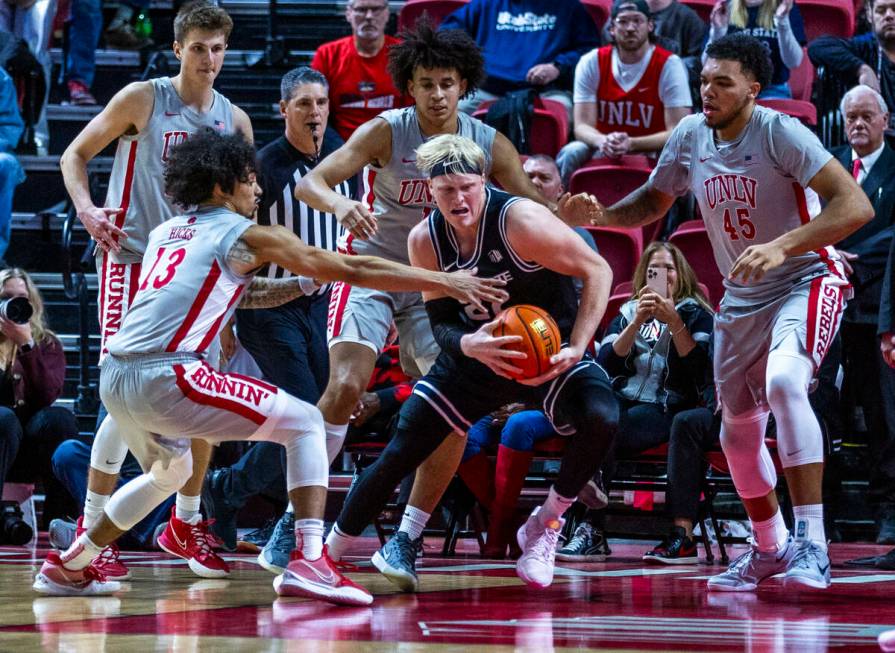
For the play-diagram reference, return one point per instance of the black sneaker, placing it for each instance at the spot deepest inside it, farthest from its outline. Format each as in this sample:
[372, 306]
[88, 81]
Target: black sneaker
[675, 549]
[588, 544]
[259, 537]
[216, 507]
[397, 561]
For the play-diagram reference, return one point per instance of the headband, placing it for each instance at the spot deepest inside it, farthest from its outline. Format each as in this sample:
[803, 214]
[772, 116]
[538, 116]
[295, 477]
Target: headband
[454, 167]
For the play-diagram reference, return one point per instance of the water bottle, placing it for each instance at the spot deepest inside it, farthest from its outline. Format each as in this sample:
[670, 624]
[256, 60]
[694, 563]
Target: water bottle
[143, 25]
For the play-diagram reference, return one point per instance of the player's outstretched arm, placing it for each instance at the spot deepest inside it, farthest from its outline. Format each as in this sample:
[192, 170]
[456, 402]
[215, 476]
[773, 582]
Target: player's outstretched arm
[279, 245]
[370, 143]
[847, 210]
[127, 113]
[640, 207]
[537, 235]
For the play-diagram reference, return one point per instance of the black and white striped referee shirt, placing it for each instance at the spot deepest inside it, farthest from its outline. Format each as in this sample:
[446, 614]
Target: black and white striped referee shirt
[280, 166]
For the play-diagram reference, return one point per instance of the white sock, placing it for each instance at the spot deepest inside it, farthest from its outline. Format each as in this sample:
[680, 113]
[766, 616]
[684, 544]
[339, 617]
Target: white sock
[337, 543]
[553, 509]
[809, 523]
[335, 438]
[80, 554]
[413, 522]
[770, 534]
[94, 505]
[187, 508]
[309, 537]
[289, 508]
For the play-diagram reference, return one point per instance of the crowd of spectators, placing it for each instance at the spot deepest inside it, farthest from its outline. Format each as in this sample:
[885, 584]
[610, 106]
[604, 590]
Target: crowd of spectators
[625, 89]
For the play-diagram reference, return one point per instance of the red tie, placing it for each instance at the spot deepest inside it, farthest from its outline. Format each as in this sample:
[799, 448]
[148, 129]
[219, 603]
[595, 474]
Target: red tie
[856, 168]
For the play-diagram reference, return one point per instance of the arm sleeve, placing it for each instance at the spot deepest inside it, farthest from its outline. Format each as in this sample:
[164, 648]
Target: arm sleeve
[446, 326]
[787, 40]
[843, 56]
[795, 149]
[672, 172]
[674, 87]
[587, 79]
[43, 372]
[606, 356]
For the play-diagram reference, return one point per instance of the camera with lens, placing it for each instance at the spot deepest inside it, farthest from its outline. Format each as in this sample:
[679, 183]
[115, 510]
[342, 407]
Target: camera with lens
[13, 527]
[16, 309]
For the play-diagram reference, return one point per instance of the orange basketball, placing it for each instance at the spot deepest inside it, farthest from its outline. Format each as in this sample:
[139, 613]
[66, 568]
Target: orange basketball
[540, 337]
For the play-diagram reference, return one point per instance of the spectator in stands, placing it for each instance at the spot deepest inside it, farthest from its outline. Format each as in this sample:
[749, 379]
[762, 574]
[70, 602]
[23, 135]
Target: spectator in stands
[867, 59]
[33, 372]
[527, 44]
[628, 96]
[289, 341]
[360, 86]
[32, 21]
[776, 23]
[121, 33]
[11, 173]
[657, 351]
[869, 382]
[85, 24]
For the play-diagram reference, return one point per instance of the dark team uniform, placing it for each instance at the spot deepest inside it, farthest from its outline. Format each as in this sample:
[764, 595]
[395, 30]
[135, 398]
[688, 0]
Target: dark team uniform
[459, 390]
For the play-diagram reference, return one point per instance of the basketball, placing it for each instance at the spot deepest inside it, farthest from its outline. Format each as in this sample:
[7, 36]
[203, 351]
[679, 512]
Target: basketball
[540, 337]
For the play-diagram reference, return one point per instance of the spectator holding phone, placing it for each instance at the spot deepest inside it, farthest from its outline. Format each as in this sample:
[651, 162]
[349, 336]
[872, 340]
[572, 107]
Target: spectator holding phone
[657, 352]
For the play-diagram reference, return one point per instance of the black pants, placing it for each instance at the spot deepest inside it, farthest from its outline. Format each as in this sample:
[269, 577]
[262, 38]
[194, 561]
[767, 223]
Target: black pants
[693, 432]
[26, 452]
[451, 397]
[289, 344]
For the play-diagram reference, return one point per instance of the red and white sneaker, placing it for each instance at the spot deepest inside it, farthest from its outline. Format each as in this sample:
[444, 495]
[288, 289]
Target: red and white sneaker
[56, 580]
[107, 562]
[319, 579]
[193, 543]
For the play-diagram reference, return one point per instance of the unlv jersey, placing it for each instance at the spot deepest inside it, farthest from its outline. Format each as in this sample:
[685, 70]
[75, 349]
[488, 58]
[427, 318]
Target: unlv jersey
[526, 281]
[398, 193]
[638, 111]
[187, 291]
[137, 180]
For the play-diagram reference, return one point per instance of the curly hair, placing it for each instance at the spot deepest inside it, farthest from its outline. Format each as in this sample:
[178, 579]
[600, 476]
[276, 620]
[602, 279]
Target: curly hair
[450, 49]
[207, 158]
[751, 54]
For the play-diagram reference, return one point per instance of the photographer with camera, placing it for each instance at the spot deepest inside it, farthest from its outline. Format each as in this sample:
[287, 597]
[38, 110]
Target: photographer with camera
[32, 370]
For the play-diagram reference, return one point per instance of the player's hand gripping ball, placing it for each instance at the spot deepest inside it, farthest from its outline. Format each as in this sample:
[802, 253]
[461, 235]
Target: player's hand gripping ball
[540, 338]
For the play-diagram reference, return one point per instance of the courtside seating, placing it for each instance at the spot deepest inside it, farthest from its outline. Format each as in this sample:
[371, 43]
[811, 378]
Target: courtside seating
[437, 10]
[620, 247]
[612, 308]
[693, 240]
[801, 78]
[800, 109]
[599, 10]
[549, 126]
[611, 179]
[827, 18]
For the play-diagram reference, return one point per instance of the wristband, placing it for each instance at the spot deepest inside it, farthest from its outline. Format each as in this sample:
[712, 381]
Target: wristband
[308, 285]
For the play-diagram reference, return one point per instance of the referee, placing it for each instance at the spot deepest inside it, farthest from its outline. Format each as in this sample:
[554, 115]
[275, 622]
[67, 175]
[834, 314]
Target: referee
[288, 342]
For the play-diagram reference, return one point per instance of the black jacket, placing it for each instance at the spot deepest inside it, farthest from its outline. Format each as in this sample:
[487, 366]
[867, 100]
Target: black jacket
[870, 242]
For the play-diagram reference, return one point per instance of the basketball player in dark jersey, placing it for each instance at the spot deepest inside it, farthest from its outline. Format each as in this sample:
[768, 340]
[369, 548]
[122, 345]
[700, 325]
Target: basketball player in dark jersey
[520, 242]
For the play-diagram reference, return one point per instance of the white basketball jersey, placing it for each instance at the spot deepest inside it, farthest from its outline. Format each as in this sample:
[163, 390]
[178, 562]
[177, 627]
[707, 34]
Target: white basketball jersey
[137, 180]
[187, 290]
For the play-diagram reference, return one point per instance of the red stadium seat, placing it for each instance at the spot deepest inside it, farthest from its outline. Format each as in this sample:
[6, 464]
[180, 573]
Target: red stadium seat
[693, 240]
[827, 18]
[801, 79]
[804, 111]
[612, 309]
[620, 247]
[549, 126]
[437, 10]
[611, 179]
[704, 7]
[599, 10]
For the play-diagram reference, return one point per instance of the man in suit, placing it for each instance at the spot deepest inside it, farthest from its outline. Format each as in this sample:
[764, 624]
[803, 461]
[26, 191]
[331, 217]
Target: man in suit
[872, 163]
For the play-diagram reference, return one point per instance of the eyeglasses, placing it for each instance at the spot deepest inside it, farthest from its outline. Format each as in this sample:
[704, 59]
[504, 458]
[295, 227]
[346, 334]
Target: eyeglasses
[363, 11]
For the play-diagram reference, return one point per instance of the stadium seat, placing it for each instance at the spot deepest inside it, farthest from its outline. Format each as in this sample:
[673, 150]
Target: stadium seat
[801, 79]
[620, 247]
[693, 240]
[611, 179]
[612, 309]
[804, 111]
[437, 10]
[704, 7]
[549, 126]
[827, 18]
[599, 10]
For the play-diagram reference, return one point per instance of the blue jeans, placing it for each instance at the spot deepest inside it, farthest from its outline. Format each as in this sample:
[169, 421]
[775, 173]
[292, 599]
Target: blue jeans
[520, 432]
[11, 175]
[289, 344]
[86, 24]
[70, 463]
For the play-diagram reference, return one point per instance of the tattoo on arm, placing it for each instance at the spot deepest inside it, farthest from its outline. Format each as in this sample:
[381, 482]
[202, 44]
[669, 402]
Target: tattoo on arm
[634, 210]
[242, 258]
[268, 293]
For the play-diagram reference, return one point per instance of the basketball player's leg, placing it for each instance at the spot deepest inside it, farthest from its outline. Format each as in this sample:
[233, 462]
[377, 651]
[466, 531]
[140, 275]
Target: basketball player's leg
[358, 326]
[582, 405]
